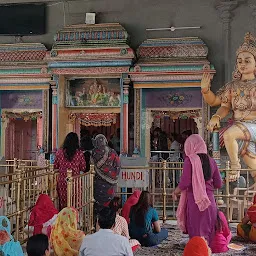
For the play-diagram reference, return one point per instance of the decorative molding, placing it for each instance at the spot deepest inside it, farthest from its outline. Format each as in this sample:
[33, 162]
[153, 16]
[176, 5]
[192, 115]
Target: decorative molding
[24, 80]
[26, 115]
[225, 9]
[173, 68]
[152, 77]
[121, 52]
[90, 71]
[99, 119]
[186, 47]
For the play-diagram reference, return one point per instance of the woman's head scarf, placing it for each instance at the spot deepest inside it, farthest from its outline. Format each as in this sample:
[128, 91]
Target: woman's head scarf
[66, 239]
[8, 247]
[197, 246]
[42, 212]
[106, 161]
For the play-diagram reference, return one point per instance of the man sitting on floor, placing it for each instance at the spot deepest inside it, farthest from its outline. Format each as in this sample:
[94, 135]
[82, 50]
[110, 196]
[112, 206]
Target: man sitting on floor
[105, 241]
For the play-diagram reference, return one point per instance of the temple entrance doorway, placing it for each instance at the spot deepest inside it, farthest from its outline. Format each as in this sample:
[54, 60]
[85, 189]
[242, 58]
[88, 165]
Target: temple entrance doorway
[170, 121]
[21, 139]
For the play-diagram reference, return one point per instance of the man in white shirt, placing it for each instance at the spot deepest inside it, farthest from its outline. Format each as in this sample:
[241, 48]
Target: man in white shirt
[105, 242]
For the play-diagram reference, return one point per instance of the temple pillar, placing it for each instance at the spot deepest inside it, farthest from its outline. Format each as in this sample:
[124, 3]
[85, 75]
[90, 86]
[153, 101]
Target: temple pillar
[125, 127]
[137, 118]
[146, 127]
[199, 124]
[252, 5]
[4, 134]
[225, 8]
[39, 133]
[54, 116]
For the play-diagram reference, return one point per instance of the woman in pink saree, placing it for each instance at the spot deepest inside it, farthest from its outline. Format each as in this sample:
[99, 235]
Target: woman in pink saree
[197, 210]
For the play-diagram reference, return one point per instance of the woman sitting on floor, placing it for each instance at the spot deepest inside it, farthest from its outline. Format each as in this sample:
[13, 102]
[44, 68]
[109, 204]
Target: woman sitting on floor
[7, 244]
[43, 215]
[144, 222]
[121, 226]
[131, 201]
[66, 239]
[222, 234]
[247, 229]
[197, 246]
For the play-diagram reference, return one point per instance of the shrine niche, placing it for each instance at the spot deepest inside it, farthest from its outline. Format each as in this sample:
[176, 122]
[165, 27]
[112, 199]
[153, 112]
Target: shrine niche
[166, 79]
[93, 92]
[90, 66]
[24, 94]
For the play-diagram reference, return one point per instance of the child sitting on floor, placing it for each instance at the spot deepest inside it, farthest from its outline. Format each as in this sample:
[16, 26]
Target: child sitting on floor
[222, 234]
[247, 229]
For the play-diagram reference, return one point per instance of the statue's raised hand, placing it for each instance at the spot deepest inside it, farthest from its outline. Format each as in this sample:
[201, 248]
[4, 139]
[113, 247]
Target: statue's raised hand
[214, 123]
[205, 82]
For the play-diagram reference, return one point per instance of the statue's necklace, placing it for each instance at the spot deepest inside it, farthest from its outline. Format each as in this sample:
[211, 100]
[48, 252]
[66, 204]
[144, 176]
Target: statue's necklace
[241, 88]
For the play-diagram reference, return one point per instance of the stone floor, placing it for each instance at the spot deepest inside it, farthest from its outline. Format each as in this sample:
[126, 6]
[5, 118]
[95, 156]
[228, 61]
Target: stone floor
[175, 243]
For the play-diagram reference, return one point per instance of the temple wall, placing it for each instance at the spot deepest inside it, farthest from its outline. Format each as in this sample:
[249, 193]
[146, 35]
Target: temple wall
[152, 14]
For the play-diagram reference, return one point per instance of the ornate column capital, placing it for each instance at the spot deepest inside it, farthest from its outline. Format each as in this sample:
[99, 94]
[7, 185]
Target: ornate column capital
[252, 5]
[125, 93]
[54, 95]
[225, 9]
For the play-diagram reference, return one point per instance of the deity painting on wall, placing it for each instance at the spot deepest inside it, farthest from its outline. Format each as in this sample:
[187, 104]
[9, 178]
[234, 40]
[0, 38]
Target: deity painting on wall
[92, 92]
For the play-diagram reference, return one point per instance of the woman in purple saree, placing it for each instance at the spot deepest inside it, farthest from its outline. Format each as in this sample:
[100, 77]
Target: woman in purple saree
[197, 211]
[107, 168]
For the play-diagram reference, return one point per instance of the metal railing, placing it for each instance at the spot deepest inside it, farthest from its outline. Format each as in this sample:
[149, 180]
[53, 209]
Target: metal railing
[80, 196]
[164, 177]
[20, 190]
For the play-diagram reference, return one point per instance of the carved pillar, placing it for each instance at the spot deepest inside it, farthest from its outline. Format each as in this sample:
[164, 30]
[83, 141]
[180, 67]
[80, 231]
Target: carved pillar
[137, 116]
[199, 124]
[148, 123]
[39, 133]
[125, 128]
[54, 116]
[225, 8]
[4, 135]
[252, 5]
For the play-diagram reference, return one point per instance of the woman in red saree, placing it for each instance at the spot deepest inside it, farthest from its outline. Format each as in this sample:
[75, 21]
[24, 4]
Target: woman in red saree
[107, 168]
[247, 229]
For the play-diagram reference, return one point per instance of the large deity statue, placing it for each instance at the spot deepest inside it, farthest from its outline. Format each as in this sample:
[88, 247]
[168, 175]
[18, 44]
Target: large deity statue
[238, 96]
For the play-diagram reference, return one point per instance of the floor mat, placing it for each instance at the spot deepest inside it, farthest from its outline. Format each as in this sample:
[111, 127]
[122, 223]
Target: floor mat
[176, 241]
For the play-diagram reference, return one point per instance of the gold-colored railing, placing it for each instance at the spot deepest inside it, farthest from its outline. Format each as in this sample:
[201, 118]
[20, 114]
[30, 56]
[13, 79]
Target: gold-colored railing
[163, 180]
[80, 196]
[20, 189]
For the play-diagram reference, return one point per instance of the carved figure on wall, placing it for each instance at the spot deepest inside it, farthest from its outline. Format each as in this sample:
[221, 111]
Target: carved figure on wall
[238, 96]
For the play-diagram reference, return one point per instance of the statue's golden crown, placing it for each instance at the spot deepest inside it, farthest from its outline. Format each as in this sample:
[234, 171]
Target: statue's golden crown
[249, 45]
